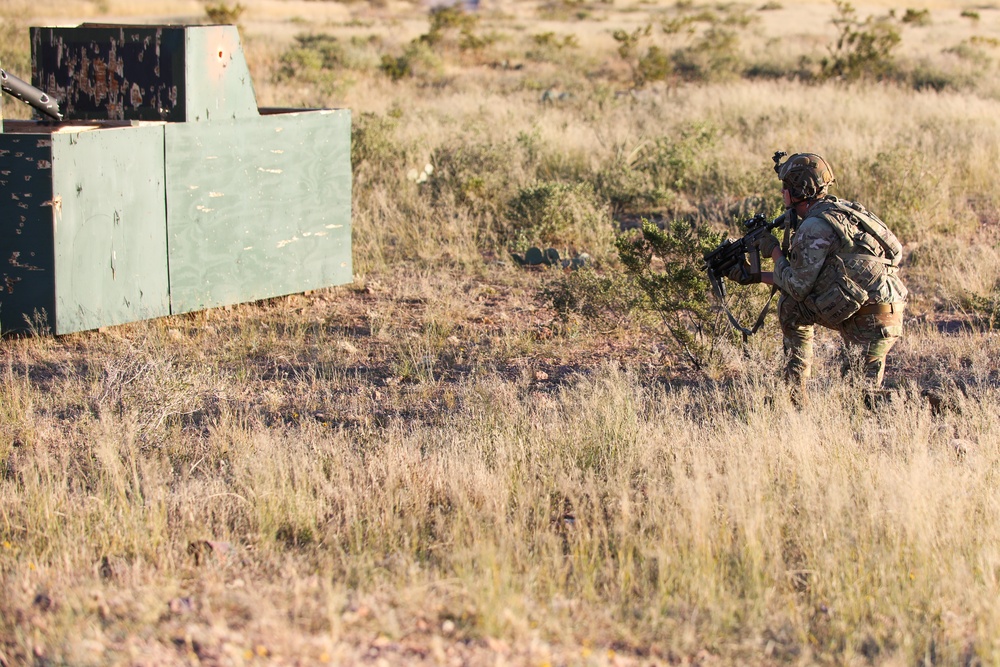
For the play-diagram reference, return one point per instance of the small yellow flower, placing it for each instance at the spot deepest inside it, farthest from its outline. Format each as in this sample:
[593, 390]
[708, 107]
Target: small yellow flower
[262, 650]
[6, 544]
[248, 654]
[31, 566]
[324, 657]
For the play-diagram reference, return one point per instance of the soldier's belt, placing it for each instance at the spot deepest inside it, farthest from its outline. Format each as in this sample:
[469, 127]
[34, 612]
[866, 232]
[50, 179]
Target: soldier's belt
[880, 309]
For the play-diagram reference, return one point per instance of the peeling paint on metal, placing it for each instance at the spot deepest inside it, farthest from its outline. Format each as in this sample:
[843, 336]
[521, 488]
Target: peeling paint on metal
[108, 74]
[15, 261]
[216, 194]
[270, 171]
[282, 244]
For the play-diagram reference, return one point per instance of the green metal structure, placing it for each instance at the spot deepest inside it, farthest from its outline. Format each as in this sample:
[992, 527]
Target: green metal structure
[164, 189]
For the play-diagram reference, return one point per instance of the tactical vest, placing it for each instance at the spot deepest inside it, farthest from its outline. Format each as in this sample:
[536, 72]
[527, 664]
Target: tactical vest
[855, 273]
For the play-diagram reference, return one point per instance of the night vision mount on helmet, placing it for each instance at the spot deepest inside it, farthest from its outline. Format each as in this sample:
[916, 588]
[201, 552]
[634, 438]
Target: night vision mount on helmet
[804, 175]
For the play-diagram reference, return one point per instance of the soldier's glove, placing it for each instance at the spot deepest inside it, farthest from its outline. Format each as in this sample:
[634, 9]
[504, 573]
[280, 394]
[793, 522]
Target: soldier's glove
[740, 273]
[766, 244]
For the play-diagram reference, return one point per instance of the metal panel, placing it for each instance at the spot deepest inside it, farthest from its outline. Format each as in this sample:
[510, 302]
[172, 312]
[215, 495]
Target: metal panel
[110, 213]
[27, 268]
[258, 207]
[111, 72]
[218, 79]
[172, 73]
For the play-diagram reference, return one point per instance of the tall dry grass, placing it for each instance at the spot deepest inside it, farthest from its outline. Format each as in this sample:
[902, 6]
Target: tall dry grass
[427, 467]
[610, 512]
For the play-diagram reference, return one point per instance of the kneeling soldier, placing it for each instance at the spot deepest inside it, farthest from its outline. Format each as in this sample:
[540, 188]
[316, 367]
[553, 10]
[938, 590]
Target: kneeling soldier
[840, 272]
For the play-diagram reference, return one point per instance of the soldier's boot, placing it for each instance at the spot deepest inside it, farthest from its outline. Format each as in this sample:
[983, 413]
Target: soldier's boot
[798, 346]
[874, 372]
[796, 377]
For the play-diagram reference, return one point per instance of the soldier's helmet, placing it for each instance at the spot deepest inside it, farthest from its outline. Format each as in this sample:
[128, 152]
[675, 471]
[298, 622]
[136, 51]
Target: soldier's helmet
[806, 176]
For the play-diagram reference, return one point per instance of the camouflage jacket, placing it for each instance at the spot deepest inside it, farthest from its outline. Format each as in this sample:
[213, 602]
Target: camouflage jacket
[827, 242]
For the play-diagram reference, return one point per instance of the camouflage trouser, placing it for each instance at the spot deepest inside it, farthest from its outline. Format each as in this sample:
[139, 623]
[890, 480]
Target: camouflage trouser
[873, 334]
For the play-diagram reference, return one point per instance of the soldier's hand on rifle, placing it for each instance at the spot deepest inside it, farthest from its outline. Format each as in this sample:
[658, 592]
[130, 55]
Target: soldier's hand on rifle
[740, 273]
[766, 244]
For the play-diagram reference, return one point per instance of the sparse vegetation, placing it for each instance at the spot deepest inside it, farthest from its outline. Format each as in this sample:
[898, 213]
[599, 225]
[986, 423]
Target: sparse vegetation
[459, 460]
[224, 14]
[863, 49]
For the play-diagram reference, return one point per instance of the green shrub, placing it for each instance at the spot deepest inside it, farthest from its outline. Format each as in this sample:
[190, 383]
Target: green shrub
[478, 177]
[903, 185]
[984, 308]
[550, 40]
[629, 190]
[417, 60]
[917, 17]
[375, 149]
[224, 14]
[676, 162]
[557, 214]
[311, 57]
[604, 301]
[713, 57]
[666, 267]
[864, 49]
[448, 20]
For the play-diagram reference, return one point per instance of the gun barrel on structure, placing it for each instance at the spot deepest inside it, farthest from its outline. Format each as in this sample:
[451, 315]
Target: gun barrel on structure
[28, 94]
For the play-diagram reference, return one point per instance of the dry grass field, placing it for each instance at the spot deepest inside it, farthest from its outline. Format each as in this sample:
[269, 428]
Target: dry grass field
[458, 461]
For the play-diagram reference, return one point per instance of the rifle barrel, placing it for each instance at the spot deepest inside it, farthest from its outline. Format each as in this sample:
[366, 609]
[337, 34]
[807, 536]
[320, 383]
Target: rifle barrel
[27, 93]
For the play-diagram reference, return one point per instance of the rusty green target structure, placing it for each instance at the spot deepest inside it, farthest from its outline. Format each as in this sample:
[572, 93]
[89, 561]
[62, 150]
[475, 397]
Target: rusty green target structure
[164, 189]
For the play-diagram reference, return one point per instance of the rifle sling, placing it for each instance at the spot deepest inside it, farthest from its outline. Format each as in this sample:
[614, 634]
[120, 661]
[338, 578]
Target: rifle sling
[760, 318]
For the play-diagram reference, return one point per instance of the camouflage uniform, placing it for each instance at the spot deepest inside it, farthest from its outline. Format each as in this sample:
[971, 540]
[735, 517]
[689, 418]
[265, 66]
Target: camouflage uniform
[830, 264]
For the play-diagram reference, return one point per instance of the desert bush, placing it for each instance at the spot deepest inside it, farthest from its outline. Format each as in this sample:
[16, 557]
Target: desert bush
[417, 60]
[321, 61]
[475, 175]
[224, 14]
[905, 186]
[984, 308]
[646, 63]
[679, 161]
[550, 40]
[604, 301]
[557, 214]
[713, 56]
[627, 189]
[666, 266]
[863, 49]
[917, 17]
[450, 28]
[448, 19]
[320, 58]
[376, 150]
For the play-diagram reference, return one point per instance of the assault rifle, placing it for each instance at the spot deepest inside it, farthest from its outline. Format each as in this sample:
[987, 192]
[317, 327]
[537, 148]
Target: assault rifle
[28, 94]
[734, 251]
